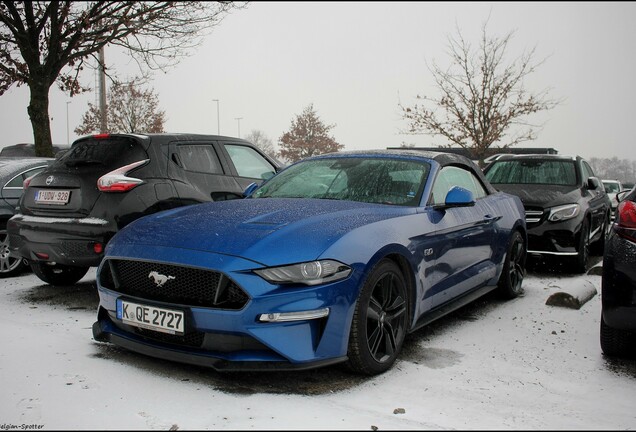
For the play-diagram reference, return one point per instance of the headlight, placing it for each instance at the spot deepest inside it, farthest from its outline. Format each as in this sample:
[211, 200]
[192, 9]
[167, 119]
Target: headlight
[565, 212]
[308, 273]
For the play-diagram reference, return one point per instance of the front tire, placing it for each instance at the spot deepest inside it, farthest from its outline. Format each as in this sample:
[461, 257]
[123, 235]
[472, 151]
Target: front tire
[583, 251]
[380, 321]
[58, 274]
[514, 268]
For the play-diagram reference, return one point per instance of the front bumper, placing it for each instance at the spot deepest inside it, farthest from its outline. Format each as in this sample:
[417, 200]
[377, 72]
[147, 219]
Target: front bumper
[236, 339]
[554, 238]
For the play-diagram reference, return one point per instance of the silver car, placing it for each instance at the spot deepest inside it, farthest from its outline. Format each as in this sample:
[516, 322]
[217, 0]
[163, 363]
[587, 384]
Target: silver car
[612, 187]
[13, 172]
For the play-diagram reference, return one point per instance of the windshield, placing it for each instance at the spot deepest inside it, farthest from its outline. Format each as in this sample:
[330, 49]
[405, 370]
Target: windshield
[373, 180]
[612, 187]
[551, 172]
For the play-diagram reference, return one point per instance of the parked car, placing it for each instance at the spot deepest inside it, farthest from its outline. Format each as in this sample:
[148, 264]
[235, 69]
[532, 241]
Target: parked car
[335, 259]
[70, 211]
[28, 150]
[13, 172]
[567, 209]
[612, 187]
[618, 282]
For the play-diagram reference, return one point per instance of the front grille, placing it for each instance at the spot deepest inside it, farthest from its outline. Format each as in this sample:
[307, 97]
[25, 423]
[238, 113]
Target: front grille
[533, 216]
[172, 284]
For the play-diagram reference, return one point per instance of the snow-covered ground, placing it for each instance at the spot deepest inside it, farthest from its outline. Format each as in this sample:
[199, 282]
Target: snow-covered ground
[493, 365]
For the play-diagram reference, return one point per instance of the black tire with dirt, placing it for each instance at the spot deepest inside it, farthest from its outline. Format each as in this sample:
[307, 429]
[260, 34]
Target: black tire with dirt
[617, 342]
[514, 268]
[58, 274]
[380, 321]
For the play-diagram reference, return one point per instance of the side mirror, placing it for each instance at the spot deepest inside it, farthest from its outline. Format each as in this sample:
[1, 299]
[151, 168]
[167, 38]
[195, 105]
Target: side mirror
[250, 189]
[593, 183]
[621, 195]
[458, 196]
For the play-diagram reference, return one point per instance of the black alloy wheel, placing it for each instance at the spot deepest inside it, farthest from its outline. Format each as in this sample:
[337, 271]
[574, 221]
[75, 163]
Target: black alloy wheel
[380, 320]
[514, 269]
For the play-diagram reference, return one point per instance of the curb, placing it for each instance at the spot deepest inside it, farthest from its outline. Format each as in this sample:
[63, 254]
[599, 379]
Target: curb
[573, 296]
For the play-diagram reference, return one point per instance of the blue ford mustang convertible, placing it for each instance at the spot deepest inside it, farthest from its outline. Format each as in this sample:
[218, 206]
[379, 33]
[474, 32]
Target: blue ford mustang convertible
[334, 259]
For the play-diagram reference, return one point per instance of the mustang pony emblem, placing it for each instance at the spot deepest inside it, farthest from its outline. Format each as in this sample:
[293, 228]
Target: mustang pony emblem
[158, 278]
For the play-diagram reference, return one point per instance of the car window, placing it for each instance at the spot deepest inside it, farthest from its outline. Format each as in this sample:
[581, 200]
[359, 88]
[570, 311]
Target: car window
[587, 171]
[534, 171]
[249, 163]
[374, 180]
[199, 158]
[108, 152]
[17, 181]
[455, 176]
[612, 187]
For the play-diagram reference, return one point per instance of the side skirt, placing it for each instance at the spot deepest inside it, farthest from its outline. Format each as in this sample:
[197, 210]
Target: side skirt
[447, 308]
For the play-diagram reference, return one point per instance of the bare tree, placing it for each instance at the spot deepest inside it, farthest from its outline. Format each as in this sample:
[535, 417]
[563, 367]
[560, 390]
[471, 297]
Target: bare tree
[42, 43]
[129, 109]
[481, 99]
[308, 136]
[262, 141]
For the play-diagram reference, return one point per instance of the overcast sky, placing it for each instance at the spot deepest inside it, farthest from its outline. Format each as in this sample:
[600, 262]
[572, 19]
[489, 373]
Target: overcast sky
[356, 61]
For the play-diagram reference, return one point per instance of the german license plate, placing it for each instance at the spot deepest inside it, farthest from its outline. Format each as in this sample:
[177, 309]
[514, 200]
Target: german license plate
[59, 197]
[150, 317]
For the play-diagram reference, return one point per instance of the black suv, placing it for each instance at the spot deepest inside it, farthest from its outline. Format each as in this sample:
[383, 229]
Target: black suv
[70, 211]
[567, 209]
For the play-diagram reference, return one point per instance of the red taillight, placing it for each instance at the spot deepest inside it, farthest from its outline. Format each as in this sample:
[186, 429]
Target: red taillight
[626, 220]
[98, 248]
[117, 181]
[101, 136]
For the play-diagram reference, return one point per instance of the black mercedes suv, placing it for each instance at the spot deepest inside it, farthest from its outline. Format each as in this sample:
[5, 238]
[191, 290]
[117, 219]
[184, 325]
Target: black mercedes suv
[69, 211]
[567, 209]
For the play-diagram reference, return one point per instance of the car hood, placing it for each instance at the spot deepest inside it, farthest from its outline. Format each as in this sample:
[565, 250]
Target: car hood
[543, 196]
[265, 230]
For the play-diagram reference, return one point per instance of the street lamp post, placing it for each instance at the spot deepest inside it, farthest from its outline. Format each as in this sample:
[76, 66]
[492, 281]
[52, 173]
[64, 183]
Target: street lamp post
[218, 122]
[238, 119]
[68, 139]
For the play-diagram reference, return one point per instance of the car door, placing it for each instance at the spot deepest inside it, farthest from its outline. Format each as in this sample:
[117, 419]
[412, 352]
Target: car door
[463, 245]
[200, 174]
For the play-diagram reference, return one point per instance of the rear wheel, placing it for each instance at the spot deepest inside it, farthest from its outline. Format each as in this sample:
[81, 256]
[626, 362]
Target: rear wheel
[514, 268]
[58, 274]
[380, 321]
[616, 342]
[9, 264]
